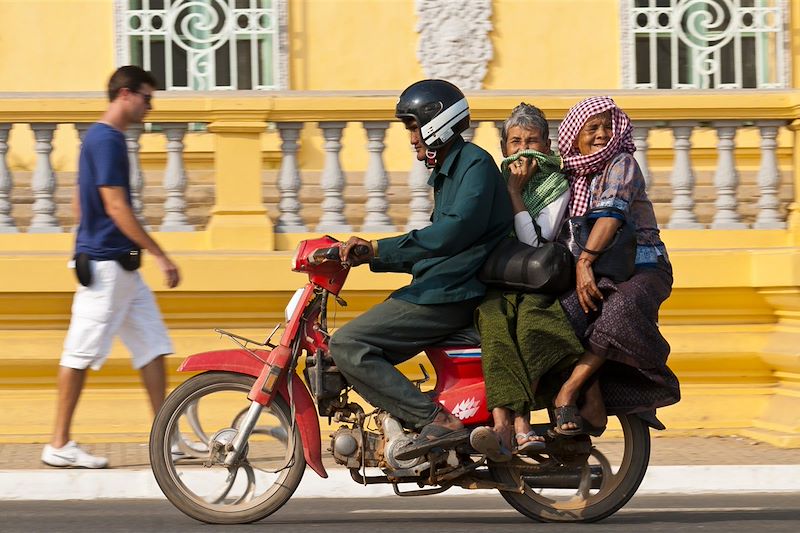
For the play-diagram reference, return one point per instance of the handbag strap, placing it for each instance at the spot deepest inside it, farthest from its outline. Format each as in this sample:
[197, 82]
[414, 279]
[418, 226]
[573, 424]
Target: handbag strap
[616, 233]
[538, 231]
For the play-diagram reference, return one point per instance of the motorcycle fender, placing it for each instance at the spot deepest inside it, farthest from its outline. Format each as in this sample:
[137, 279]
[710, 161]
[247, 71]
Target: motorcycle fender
[241, 362]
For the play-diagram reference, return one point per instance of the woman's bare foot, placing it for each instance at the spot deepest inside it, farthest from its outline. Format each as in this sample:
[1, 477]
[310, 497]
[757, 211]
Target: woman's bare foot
[523, 432]
[593, 410]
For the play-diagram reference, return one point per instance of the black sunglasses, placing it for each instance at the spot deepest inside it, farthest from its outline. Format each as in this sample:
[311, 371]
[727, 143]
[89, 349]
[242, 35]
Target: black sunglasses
[147, 97]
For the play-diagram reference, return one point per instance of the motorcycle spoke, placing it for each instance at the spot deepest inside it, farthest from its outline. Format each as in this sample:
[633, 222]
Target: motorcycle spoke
[194, 422]
[219, 497]
[250, 490]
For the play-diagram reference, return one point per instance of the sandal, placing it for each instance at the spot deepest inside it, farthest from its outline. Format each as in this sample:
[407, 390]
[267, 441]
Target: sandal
[486, 441]
[531, 445]
[569, 413]
[432, 436]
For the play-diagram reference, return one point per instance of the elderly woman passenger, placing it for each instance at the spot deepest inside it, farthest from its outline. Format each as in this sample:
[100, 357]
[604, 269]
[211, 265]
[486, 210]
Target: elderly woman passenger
[616, 322]
[523, 335]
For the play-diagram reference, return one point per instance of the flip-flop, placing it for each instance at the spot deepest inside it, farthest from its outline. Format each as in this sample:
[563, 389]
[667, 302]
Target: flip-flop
[531, 446]
[569, 413]
[485, 441]
[432, 436]
[566, 414]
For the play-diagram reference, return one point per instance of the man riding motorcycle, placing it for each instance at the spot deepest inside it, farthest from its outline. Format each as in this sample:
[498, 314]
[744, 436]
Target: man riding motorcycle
[471, 214]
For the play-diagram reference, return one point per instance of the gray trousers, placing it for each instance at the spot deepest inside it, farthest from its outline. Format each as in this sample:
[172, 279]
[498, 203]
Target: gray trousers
[367, 348]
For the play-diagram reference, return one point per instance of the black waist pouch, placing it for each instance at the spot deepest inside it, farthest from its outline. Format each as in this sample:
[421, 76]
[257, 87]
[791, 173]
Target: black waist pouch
[130, 260]
[83, 269]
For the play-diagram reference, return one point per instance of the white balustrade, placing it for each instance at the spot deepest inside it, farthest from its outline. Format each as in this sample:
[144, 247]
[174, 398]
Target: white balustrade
[552, 126]
[136, 179]
[376, 181]
[641, 132]
[332, 218]
[769, 177]
[289, 182]
[43, 182]
[175, 180]
[420, 205]
[726, 178]
[6, 184]
[682, 178]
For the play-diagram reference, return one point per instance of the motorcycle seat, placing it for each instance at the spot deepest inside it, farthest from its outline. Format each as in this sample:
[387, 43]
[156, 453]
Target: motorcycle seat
[465, 337]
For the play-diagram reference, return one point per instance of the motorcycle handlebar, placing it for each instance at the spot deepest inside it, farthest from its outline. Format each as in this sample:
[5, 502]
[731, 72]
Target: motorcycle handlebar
[332, 253]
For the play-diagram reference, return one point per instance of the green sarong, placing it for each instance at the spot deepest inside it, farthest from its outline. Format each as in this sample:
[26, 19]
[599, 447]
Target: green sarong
[523, 337]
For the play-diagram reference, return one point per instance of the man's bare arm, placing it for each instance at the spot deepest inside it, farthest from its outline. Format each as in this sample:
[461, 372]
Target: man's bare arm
[116, 204]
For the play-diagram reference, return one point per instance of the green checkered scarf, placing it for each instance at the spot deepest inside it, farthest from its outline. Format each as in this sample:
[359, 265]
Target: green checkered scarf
[545, 186]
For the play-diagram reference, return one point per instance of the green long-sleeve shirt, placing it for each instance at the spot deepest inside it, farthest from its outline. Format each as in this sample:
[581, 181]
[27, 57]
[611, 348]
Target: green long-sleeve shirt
[471, 214]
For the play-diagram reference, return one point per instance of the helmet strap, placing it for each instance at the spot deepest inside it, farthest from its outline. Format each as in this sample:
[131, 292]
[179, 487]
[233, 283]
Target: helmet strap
[430, 158]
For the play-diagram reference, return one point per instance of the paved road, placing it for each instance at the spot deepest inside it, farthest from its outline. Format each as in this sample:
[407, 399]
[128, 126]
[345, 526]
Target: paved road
[473, 514]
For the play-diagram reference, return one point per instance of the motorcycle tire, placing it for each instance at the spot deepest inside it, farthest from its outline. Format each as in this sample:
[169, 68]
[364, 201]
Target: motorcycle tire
[173, 482]
[616, 491]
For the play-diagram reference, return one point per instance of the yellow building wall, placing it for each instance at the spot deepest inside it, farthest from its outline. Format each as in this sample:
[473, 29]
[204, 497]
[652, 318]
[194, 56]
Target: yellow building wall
[56, 45]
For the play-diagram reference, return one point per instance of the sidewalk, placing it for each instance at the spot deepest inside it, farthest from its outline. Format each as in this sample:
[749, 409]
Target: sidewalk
[677, 464]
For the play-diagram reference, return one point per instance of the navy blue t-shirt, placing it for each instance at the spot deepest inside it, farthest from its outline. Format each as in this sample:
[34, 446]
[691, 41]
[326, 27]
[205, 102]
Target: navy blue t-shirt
[103, 162]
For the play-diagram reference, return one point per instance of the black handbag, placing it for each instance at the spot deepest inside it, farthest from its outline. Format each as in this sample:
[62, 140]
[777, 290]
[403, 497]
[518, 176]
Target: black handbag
[514, 265]
[616, 261]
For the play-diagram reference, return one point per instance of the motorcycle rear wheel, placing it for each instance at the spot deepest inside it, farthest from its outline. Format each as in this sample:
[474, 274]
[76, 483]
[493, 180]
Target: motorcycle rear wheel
[630, 454]
[208, 408]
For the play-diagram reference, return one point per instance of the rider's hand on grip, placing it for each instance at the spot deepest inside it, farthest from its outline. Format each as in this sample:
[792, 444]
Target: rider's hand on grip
[356, 251]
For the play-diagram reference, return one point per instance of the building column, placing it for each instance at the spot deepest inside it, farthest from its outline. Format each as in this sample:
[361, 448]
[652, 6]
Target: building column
[238, 219]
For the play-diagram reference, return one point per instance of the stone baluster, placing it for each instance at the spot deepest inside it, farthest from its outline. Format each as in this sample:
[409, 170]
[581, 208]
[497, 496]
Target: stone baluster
[44, 182]
[332, 219]
[136, 179]
[682, 178]
[552, 126]
[726, 178]
[175, 180]
[641, 131]
[289, 182]
[82, 128]
[769, 177]
[420, 205]
[376, 181]
[6, 184]
[469, 133]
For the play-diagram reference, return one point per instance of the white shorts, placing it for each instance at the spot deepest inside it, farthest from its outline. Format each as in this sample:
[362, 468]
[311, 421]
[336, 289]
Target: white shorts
[117, 302]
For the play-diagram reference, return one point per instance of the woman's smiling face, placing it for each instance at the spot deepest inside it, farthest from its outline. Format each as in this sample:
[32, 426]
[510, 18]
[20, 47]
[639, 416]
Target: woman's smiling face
[595, 134]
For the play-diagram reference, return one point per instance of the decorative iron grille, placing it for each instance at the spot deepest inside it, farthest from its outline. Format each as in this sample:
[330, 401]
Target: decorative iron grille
[205, 44]
[705, 44]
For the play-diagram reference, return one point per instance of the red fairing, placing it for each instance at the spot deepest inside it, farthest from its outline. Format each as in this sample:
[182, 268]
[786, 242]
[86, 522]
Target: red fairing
[240, 362]
[459, 383]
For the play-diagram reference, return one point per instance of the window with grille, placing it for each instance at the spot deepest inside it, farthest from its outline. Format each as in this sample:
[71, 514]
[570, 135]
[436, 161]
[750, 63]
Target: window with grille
[705, 44]
[204, 45]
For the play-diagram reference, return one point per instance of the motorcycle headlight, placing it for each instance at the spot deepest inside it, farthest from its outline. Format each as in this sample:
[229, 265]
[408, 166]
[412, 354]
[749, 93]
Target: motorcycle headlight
[293, 303]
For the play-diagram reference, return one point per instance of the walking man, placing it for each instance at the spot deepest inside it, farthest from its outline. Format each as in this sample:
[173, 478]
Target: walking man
[112, 298]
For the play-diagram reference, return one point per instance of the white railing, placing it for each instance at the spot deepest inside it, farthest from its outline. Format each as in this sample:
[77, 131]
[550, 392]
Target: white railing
[674, 185]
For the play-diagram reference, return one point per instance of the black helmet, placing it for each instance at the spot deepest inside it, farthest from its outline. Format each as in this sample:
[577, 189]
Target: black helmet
[440, 109]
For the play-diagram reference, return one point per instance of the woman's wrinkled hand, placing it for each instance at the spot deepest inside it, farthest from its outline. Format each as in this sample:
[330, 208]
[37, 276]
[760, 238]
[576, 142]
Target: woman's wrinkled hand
[520, 172]
[587, 290]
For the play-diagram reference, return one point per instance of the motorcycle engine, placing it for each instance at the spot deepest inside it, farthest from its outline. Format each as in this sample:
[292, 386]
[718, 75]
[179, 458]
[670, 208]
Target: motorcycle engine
[353, 448]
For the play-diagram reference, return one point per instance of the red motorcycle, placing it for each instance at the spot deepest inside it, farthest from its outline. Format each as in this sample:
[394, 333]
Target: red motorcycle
[230, 445]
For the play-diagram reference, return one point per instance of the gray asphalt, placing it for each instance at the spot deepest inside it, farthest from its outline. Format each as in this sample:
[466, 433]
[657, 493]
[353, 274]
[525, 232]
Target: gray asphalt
[770, 513]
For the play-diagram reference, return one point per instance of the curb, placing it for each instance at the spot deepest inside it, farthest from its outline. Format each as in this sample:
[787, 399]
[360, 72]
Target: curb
[75, 484]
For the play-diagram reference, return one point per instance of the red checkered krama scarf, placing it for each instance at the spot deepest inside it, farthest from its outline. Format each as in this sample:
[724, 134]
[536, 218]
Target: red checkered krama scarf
[579, 168]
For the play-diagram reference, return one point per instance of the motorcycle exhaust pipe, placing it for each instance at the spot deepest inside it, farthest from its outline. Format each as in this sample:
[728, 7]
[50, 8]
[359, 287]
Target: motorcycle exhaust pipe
[564, 479]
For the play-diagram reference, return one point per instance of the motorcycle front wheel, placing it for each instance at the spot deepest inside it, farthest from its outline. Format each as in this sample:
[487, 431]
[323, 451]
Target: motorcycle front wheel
[585, 487]
[187, 451]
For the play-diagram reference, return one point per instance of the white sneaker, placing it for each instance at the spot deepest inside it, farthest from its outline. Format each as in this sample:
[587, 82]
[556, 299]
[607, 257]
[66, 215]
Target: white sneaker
[71, 455]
